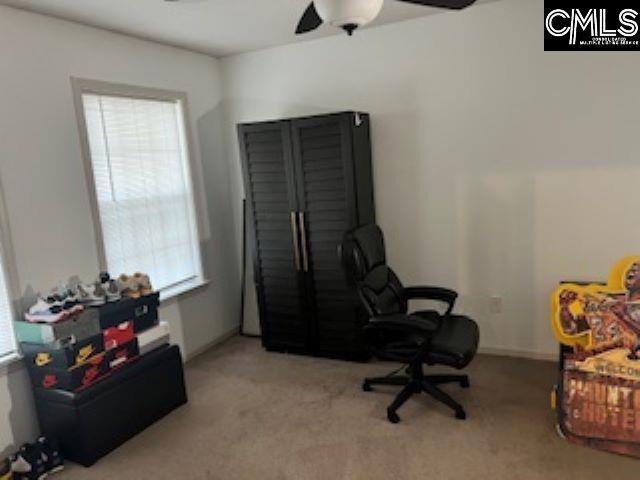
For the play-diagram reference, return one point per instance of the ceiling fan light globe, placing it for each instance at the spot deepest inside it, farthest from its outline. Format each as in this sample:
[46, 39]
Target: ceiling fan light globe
[348, 12]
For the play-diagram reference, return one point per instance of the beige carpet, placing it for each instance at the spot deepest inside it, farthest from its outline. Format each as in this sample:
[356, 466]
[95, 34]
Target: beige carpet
[259, 415]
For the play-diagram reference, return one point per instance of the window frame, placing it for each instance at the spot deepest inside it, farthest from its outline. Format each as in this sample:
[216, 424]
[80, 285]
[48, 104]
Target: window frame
[82, 86]
[7, 254]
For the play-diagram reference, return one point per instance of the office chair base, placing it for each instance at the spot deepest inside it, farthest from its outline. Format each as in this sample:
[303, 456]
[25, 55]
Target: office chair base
[419, 383]
[393, 417]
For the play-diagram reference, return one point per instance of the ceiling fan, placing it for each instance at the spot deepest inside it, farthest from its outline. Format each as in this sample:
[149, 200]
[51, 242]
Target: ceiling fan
[351, 14]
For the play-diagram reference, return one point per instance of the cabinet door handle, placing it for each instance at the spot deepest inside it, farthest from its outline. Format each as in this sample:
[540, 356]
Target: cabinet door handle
[303, 239]
[296, 247]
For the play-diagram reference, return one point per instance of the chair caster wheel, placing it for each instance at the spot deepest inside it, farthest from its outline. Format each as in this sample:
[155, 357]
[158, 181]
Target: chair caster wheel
[464, 383]
[366, 387]
[393, 417]
[461, 415]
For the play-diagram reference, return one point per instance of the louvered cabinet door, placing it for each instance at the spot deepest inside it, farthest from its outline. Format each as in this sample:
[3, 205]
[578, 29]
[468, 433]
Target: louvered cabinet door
[270, 189]
[323, 158]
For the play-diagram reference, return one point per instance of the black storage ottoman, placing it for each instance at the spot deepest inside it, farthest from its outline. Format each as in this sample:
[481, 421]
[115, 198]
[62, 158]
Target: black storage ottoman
[93, 422]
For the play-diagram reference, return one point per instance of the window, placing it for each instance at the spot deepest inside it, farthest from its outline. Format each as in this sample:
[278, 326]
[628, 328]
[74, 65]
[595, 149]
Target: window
[139, 164]
[7, 338]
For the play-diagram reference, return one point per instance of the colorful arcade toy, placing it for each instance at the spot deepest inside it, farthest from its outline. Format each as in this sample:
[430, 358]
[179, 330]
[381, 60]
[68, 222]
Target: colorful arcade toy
[598, 326]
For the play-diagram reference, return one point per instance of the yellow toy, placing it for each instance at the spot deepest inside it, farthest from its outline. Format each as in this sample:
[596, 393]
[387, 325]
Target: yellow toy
[595, 318]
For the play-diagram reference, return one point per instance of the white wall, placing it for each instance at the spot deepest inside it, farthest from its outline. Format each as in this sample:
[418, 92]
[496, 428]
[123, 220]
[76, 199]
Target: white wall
[44, 181]
[499, 169]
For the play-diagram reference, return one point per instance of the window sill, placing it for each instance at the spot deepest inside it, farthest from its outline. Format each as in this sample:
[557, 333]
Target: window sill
[10, 363]
[178, 290]
[13, 362]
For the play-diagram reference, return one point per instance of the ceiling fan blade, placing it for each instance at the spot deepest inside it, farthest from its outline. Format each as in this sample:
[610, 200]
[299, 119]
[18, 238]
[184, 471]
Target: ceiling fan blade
[453, 4]
[310, 20]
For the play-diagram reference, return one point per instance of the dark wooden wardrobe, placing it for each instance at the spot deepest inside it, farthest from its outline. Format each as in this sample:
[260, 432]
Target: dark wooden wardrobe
[307, 181]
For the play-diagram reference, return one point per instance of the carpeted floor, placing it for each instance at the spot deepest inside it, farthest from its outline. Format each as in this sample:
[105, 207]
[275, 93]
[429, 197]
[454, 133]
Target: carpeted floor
[259, 415]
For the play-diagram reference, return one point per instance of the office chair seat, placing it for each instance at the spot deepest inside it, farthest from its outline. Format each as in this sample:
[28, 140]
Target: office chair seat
[454, 344]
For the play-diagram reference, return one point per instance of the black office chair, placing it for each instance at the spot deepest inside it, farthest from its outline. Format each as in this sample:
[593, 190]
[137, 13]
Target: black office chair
[423, 337]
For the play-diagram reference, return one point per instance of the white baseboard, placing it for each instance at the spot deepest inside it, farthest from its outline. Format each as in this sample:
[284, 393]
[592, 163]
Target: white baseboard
[221, 339]
[507, 352]
[499, 352]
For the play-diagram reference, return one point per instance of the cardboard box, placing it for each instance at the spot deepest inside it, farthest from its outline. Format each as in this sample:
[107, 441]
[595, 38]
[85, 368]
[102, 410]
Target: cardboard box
[153, 338]
[120, 356]
[79, 327]
[73, 379]
[142, 311]
[69, 355]
[119, 335]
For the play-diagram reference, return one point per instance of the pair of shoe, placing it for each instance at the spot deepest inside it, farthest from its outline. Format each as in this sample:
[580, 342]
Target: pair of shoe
[54, 308]
[107, 289]
[135, 286]
[36, 461]
[103, 290]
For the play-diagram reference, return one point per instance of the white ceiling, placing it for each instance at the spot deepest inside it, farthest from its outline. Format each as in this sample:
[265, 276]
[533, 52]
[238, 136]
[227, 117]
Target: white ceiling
[216, 27]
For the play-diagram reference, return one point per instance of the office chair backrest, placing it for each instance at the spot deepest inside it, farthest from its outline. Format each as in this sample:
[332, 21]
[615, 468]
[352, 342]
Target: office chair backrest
[364, 261]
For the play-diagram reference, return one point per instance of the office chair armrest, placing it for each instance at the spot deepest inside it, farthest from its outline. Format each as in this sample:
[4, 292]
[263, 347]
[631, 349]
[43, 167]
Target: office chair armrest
[432, 293]
[404, 323]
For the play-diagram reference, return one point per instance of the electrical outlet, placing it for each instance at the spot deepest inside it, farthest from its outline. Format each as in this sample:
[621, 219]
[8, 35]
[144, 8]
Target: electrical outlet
[495, 304]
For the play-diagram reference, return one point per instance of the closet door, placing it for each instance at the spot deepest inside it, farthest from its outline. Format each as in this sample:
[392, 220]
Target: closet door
[323, 158]
[271, 197]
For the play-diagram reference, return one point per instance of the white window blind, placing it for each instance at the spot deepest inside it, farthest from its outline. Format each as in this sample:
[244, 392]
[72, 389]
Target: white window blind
[143, 187]
[7, 338]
